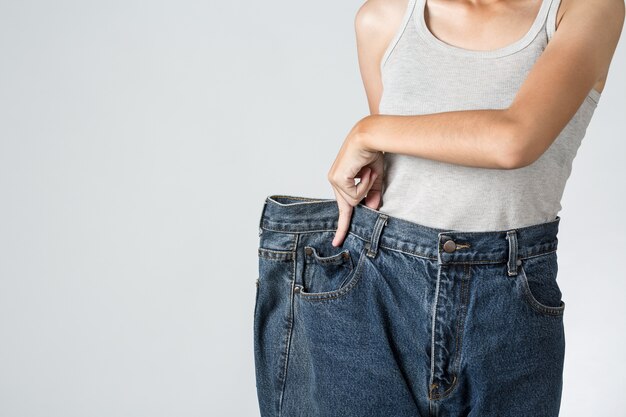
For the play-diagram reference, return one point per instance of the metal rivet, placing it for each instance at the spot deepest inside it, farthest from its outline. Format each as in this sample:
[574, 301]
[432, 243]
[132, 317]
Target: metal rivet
[346, 255]
[449, 246]
[308, 251]
[519, 262]
[296, 289]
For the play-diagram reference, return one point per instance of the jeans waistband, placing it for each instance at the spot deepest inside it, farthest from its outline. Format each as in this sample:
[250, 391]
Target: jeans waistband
[294, 214]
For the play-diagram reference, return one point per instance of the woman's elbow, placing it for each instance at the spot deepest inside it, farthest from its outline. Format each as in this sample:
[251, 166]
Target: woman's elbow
[516, 150]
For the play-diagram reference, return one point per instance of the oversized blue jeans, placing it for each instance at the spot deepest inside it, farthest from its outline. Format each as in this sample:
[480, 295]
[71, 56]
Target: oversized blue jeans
[404, 320]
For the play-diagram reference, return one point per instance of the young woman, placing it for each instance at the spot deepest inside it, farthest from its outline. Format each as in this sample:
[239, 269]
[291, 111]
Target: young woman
[429, 287]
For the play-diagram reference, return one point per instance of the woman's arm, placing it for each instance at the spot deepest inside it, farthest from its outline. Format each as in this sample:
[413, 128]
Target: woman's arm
[375, 24]
[577, 56]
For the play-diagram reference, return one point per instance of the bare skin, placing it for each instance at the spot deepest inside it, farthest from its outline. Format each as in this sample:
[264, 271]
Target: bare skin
[576, 60]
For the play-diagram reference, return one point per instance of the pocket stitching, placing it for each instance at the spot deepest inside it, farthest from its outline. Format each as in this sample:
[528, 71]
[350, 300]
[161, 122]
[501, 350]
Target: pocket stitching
[534, 303]
[352, 279]
[275, 255]
[336, 259]
[342, 259]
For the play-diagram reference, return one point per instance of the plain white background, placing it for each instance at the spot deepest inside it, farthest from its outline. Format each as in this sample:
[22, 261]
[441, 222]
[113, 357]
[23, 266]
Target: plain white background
[138, 140]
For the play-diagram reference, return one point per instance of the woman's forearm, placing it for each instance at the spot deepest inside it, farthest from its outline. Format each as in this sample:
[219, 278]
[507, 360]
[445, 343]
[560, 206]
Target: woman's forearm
[478, 138]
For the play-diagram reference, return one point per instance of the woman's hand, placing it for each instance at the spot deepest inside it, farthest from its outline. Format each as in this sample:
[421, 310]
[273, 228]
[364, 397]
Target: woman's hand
[355, 160]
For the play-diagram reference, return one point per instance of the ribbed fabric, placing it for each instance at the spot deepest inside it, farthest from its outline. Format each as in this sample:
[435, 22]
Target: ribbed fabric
[422, 74]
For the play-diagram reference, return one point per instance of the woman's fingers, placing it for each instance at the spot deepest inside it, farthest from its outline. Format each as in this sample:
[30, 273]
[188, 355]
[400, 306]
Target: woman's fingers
[351, 193]
[347, 199]
[361, 189]
[345, 213]
[354, 161]
[375, 193]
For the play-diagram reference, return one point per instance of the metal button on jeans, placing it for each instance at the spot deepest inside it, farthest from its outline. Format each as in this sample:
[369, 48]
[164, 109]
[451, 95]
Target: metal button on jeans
[449, 246]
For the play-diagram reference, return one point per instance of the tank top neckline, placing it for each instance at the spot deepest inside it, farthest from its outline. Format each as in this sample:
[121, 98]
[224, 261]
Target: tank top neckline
[422, 28]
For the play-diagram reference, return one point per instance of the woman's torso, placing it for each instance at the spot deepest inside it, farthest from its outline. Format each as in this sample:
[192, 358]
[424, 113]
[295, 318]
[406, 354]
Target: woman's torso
[422, 74]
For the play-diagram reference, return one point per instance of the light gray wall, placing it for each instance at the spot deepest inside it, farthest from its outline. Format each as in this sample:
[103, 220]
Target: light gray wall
[138, 140]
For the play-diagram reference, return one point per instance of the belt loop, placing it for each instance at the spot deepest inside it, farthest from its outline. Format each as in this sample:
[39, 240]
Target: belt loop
[372, 245]
[512, 262]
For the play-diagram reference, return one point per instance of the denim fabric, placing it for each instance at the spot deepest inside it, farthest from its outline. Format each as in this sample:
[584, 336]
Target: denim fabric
[404, 319]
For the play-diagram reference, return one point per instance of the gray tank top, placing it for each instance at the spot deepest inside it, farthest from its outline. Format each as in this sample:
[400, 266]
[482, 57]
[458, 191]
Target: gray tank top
[422, 74]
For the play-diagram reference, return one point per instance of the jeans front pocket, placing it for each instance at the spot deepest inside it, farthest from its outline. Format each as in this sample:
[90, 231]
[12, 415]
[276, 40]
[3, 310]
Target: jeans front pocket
[537, 276]
[324, 271]
[328, 271]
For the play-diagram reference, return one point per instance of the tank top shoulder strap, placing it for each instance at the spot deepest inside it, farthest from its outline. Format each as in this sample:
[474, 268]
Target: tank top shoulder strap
[408, 13]
[551, 19]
